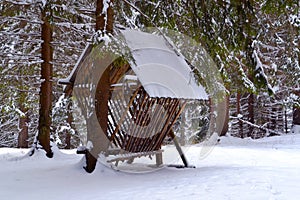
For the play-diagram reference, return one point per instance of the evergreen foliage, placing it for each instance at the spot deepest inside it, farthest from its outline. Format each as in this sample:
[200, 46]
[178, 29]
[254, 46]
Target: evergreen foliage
[255, 45]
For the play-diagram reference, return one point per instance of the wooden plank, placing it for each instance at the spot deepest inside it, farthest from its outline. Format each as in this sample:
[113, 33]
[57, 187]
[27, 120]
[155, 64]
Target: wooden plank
[178, 148]
[128, 156]
[172, 135]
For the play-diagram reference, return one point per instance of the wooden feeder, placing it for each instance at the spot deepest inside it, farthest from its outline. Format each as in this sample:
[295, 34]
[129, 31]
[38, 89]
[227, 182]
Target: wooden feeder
[130, 106]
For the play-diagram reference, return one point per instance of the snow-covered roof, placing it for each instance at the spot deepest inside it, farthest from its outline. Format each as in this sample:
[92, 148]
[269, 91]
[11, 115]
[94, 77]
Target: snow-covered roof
[161, 71]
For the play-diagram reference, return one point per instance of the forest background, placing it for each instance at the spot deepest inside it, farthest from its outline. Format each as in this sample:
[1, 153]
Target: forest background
[255, 44]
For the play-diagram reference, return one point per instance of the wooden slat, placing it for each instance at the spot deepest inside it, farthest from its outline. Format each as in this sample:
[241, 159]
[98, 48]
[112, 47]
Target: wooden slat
[154, 138]
[138, 140]
[128, 156]
[123, 116]
[129, 146]
[118, 71]
[170, 119]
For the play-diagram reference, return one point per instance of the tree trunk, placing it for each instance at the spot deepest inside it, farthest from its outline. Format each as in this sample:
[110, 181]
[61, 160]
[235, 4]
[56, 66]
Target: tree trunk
[46, 86]
[296, 111]
[103, 94]
[296, 116]
[238, 112]
[226, 117]
[250, 114]
[23, 127]
[104, 23]
[70, 122]
[273, 117]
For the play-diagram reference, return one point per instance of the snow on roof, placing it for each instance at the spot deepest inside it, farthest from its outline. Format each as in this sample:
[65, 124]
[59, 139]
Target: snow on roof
[160, 70]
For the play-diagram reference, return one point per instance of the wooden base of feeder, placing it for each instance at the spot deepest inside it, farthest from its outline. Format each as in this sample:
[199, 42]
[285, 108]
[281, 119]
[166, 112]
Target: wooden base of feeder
[129, 157]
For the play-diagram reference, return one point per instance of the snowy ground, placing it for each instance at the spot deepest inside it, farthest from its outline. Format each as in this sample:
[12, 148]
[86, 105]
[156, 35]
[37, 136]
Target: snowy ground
[236, 169]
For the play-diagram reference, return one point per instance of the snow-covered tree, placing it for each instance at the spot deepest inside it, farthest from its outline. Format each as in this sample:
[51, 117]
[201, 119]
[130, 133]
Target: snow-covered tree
[20, 60]
[255, 45]
[70, 24]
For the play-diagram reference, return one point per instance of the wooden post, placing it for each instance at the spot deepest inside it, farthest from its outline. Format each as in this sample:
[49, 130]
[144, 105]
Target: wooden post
[178, 148]
[159, 159]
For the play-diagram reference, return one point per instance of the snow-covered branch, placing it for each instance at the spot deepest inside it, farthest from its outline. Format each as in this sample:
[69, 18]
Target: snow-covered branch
[260, 127]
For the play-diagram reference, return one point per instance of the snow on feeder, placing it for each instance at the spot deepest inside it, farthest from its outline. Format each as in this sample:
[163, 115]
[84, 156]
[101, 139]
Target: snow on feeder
[131, 91]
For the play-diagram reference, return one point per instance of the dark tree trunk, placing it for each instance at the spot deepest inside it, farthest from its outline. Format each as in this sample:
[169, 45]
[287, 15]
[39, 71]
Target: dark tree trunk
[226, 117]
[104, 23]
[23, 127]
[296, 110]
[273, 117]
[46, 86]
[285, 121]
[296, 116]
[238, 112]
[103, 94]
[68, 140]
[250, 114]
[70, 122]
